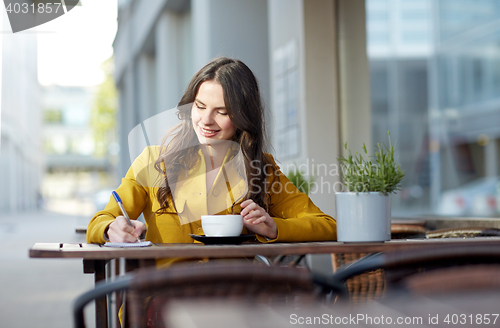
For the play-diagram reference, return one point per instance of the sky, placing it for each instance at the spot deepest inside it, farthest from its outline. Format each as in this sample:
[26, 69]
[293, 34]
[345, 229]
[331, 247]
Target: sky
[72, 47]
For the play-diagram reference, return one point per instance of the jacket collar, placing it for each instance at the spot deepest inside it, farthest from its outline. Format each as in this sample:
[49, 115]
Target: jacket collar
[191, 197]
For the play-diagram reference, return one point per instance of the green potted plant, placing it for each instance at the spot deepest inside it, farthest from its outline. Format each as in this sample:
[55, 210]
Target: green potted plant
[363, 207]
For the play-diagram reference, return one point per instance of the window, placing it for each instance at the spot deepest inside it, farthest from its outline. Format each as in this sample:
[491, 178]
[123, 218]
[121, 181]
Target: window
[442, 106]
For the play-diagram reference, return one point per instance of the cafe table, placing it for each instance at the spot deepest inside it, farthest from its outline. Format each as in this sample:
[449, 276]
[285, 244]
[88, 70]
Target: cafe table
[95, 256]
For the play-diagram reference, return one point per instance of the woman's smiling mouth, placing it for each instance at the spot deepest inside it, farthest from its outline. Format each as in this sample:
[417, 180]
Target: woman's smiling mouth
[208, 133]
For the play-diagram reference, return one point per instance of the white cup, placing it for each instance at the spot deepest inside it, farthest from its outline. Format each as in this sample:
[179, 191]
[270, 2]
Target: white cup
[222, 225]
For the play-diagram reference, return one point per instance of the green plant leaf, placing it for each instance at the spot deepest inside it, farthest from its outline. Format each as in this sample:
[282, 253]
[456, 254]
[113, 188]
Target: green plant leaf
[360, 174]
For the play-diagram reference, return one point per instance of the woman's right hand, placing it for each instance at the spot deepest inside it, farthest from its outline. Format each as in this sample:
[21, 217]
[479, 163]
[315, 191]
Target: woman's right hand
[120, 231]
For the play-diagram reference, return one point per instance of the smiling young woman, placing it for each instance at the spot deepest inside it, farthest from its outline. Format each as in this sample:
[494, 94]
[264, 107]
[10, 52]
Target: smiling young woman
[222, 118]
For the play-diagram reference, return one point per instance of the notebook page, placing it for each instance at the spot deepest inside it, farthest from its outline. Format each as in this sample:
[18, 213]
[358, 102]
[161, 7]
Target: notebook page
[141, 244]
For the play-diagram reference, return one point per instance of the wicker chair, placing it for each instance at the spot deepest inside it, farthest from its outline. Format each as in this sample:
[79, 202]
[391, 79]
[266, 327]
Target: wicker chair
[249, 282]
[371, 285]
[148, 290]
[463, 232]
[400, 266]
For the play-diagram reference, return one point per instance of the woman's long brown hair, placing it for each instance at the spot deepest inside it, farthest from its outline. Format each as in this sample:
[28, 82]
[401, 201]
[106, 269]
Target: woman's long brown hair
[245, 109]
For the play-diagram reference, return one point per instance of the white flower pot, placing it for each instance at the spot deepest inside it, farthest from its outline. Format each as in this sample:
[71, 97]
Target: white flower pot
[363, 217]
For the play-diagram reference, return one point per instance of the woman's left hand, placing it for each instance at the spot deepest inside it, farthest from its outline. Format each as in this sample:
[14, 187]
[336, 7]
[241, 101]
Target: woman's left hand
[256, 219]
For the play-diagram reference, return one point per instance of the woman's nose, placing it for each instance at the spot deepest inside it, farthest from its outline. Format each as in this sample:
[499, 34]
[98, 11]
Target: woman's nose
[207, 118]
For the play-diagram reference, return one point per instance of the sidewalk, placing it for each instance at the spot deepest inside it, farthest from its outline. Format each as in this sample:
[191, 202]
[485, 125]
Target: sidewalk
[40, 292]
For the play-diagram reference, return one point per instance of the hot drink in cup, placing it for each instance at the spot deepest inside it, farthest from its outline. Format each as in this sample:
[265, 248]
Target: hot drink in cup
[222, 225]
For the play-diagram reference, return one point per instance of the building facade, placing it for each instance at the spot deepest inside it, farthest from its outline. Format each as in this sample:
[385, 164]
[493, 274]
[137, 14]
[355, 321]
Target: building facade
[21, 160]
[302, 52]
[309, 57]
[67, 136]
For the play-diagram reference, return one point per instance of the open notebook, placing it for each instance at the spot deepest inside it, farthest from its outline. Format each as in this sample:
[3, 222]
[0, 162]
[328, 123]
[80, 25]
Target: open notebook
[141, 244]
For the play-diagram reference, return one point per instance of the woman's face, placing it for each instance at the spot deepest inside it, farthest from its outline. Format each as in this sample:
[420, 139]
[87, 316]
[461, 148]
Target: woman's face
[209, 114]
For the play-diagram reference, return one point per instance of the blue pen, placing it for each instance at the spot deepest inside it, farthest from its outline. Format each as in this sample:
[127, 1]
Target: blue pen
[125, 214]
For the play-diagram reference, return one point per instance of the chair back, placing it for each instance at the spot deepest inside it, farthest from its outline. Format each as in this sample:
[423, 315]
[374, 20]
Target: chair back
[458, 279]
[151, 289]
[435, 263]
[372, 285]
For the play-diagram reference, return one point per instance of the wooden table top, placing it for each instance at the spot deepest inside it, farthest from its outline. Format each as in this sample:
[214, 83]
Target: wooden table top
[197, 250]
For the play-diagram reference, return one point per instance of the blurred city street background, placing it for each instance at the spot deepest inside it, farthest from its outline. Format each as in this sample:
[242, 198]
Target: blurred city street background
[40, 292]
[330, 71]
[58, 149]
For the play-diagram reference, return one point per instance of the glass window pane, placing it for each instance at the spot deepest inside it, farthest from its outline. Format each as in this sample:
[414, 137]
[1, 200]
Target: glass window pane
[435, 82]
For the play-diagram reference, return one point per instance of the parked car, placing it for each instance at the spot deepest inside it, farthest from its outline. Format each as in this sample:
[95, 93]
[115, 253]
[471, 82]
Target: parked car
[477, 198]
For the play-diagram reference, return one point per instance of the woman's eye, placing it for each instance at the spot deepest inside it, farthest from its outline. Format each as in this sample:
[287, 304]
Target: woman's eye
[223, 113]
[199, 107]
